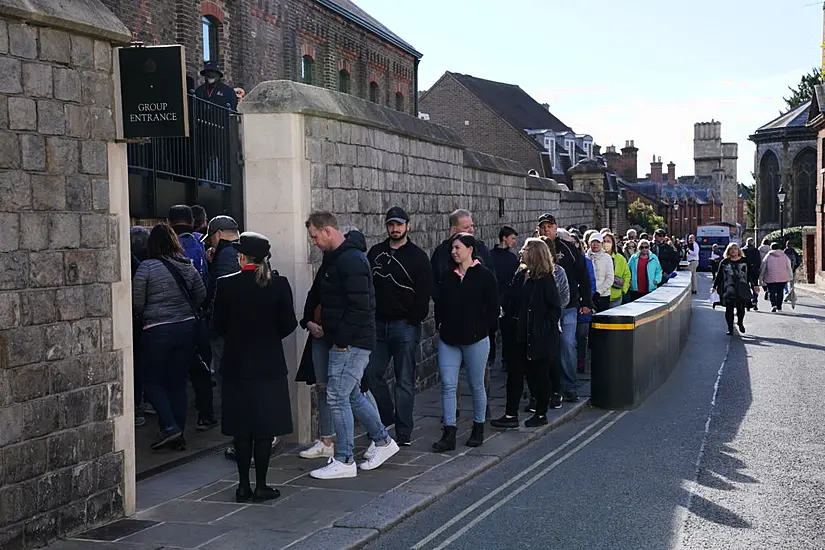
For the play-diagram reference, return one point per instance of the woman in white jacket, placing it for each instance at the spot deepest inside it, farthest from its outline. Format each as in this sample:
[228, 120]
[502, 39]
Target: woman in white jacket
[603, 266]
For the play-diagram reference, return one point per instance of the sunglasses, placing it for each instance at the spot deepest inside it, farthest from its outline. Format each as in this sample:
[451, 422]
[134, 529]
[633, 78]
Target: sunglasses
[643, 247]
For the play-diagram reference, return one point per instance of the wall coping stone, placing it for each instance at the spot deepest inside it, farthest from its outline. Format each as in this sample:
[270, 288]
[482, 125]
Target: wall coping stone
[88, 17]
[285, 96]
[543, 184]
[492, 163]
[576, 196]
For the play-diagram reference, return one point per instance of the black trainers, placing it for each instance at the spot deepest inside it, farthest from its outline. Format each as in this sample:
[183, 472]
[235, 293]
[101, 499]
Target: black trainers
[531, 407]
[742, 328]
[571, 396]
[205, 424]
[229, 453]
[167, 436]
[243, 494]
[535, 421]
[555, 401]
[403, 440]
[505, 422]
[262, 494]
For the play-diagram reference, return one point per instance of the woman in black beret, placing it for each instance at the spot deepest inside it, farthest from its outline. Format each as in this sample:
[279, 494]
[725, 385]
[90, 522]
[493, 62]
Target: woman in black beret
[254, 311]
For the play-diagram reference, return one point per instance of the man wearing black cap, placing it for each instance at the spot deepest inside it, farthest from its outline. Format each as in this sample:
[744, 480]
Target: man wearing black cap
[402, 279]
[214, 90]
[571, 260]
[667, 255]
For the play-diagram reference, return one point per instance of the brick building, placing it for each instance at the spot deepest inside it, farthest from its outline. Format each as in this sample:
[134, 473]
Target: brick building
[503, 120]
[328, 43]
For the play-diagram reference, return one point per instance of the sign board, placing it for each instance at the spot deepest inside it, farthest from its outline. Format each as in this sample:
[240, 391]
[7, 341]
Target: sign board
[152, 91]
[712, 231]
[611, 199]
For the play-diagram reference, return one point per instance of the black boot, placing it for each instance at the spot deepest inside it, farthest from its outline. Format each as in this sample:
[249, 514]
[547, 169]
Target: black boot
[447, 441]
[477, 435]
[730, 329]
[243, 494]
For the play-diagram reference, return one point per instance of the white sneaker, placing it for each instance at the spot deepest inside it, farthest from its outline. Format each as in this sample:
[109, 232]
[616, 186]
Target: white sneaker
[380, 456]
[370, 452]
[319, 450]
[335, 470]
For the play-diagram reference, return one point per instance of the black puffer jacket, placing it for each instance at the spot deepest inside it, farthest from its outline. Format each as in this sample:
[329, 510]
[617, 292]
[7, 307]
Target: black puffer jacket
[467, 310]
[347, 297]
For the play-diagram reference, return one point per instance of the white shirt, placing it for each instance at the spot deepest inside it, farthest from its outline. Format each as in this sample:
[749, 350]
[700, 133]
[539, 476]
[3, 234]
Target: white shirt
[693, 252]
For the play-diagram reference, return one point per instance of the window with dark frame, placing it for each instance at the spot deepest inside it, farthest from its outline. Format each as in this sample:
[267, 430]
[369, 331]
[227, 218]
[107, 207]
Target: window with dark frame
[399, 101]
[344, 81]
[374, 92]
[210, 38]
[307, 70]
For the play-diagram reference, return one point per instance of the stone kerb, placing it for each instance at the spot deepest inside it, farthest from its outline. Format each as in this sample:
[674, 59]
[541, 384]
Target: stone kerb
[66, 424]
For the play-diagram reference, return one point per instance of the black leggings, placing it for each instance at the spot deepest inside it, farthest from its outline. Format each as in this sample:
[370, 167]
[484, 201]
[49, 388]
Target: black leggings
[739, 306]
[243, 454]
[543, 378]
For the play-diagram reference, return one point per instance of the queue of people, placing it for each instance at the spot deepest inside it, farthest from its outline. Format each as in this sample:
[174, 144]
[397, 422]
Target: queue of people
[210, 310]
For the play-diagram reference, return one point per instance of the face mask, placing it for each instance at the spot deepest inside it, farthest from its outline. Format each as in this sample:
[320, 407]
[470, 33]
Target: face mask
[608, 247]
[211, 80]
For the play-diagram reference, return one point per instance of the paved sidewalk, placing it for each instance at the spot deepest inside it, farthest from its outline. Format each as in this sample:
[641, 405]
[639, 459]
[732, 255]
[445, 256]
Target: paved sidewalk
[193, 506]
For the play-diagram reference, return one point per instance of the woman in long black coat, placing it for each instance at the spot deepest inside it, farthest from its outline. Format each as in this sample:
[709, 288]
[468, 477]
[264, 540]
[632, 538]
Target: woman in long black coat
[253, 311]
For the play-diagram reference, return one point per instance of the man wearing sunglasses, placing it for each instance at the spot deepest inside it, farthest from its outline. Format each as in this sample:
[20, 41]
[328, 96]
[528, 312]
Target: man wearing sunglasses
[645, 271]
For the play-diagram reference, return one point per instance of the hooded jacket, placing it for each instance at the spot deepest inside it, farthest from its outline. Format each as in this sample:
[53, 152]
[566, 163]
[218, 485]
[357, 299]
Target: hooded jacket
[346, 295]
[776, 268]
[654, 272]
[603, 267]
[156, 296]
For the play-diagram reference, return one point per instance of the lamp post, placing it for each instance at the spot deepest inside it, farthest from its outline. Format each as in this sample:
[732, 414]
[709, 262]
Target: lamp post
[676, 219]
[781, 196]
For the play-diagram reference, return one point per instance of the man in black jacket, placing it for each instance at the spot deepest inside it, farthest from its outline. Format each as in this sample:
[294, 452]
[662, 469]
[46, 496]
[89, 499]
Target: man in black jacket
[402, 278]
[504, 264]
[347, 302]
[754, 260]
[668, 256]
[572, 261]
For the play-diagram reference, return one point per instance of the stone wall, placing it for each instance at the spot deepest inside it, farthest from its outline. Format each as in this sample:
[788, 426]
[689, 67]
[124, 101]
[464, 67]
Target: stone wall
[311, 149]
[65, 409]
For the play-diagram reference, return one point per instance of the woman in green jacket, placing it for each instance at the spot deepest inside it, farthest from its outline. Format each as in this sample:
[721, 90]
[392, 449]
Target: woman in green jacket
[621, 278]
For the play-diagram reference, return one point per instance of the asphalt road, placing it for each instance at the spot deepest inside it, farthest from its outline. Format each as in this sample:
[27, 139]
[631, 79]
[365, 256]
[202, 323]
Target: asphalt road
[729, 453]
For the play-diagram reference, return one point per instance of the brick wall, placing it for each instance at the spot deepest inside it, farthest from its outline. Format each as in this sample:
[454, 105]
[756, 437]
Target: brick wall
[265, 40]
[451, 104]
[358, 173]
[61, 380]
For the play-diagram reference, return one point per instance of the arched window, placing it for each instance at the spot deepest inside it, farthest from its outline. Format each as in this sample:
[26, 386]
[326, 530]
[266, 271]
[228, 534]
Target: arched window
[343, 81]
[210, 38]
[768, 187]
[374, 92]
[399, 101]
[307, 70]
[804, 181]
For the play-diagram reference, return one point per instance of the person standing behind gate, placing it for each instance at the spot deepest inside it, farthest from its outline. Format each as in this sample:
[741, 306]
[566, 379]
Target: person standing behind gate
[254, 312]
[348, 320]
[165, 299]
[402, 279]
[692, 256]
[214, 89]
[572, 261]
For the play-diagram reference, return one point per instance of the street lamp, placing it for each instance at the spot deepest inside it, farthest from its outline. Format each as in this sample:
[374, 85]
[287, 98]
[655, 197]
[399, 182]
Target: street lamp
[676, 218]
[781, 196]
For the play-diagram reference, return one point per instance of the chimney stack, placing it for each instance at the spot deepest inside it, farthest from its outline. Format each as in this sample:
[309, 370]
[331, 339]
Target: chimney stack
[630, 167]
[656, 170]
[671, 173]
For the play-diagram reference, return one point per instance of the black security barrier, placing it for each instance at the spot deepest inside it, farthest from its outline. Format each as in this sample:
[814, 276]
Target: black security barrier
[636, 346]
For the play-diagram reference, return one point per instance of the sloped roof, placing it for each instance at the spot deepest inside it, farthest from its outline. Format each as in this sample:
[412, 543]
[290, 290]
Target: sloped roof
[791, 123]
[348, 10]
[511, 103]
[664, 193]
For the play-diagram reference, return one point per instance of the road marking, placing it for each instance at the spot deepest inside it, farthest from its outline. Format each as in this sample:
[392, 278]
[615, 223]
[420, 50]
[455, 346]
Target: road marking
[423, 542]
[691, 488]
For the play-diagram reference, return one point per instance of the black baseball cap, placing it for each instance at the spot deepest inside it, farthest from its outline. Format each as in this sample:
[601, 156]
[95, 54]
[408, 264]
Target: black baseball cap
[397, 214]
[660, 233]
[253, 245]
[220, 223]
[547, 217]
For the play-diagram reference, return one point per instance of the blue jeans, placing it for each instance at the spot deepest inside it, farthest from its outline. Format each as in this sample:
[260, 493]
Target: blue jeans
[344, 398]
[450, 359]
[567, 349]
[396, 340]
[165, 357]
[320, 360]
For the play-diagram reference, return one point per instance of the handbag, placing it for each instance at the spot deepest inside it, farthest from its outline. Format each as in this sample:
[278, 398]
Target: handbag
[618, 282]
[202, 337]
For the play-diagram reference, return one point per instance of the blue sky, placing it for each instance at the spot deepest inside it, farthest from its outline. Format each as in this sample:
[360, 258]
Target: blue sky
[633, 69]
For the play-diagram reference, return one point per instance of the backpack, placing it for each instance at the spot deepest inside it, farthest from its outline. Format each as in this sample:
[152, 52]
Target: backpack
[194, 250]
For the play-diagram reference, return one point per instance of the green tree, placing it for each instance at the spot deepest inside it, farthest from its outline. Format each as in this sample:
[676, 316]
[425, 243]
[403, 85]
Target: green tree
[642, 215]
[804, 90]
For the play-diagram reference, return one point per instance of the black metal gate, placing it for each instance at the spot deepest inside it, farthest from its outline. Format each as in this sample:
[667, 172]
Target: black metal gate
[206, 168]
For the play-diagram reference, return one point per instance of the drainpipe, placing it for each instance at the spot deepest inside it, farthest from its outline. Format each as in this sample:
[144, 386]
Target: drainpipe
[415, 87]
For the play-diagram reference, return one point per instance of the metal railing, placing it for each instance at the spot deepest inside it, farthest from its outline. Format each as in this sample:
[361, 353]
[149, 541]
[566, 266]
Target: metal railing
[206, 167]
